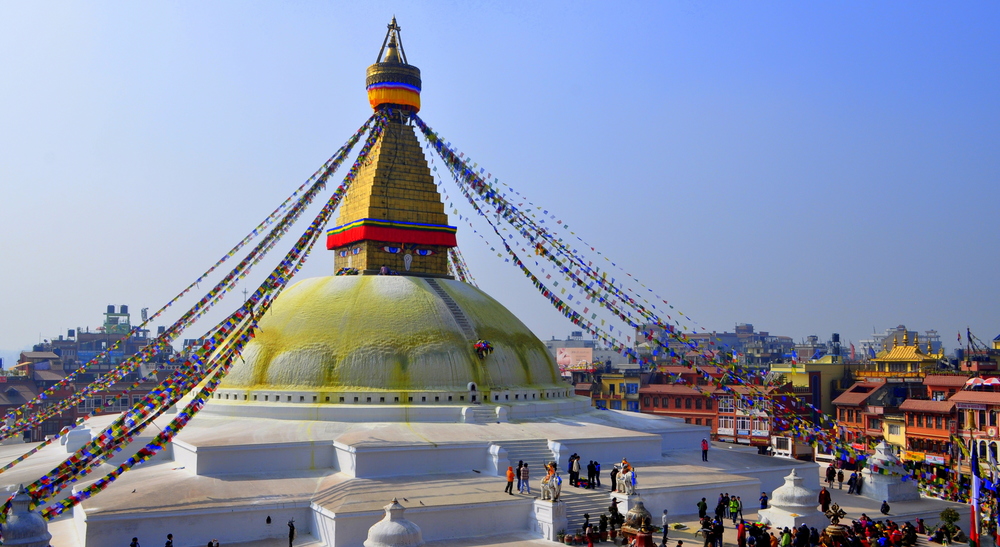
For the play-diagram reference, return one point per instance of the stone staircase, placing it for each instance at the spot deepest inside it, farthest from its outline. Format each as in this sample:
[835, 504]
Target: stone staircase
[453, 307]
[580, 500]
[534, 452]
[480, 415]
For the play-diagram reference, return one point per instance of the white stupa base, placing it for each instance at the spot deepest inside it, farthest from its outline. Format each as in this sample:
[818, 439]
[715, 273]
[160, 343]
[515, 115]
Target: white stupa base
[225, 475]
[549, 518]
[75, 439]
[782, 518]
[888, 488]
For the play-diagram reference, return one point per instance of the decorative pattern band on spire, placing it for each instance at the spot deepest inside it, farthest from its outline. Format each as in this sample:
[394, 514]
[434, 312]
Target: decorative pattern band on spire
[391, 231]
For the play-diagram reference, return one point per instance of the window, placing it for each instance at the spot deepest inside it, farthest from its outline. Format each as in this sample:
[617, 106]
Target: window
[621, 388]
[726, 403]
[616, 405]
[843, 414]
[645, 401]
[874, 423]
[920, 420]
[697, 404]
[939, 422]
[656, 402]
[632, 388]
[687, 420]
[993, 417]
[708, 422]
[632, 406]
[611, 389]
[708, 404]
[726, 422]
[982, 420]
[894, 429]
[687, 402]
[742, 423]
[909, 419]
[677, 402]
[697, 421]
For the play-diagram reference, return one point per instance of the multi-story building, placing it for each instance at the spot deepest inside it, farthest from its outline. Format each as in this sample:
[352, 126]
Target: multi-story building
[852, 415]
[819, 379]
[753, 414]
[869, 412]
[929, 427]
[618, 390]
[693, 405]
[48, 364]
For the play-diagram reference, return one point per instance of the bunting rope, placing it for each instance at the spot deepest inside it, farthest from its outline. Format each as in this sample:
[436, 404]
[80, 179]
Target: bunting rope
[458, 267]
[316, 183]
[225, 343]
[620, 302]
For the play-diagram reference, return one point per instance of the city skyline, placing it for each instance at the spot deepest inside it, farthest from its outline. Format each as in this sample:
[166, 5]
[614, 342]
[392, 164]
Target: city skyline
[806, 169]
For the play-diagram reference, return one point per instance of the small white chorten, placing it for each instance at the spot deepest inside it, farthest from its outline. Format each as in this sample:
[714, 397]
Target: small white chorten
[883, 477]
[793, 505]
[25, 528]
[394, 530]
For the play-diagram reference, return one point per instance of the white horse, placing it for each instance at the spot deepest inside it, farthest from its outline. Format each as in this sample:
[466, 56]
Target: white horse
[626, 482]
[551, 488]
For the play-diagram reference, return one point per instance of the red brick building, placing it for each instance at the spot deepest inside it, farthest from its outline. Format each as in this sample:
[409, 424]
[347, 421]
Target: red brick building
[681, 401]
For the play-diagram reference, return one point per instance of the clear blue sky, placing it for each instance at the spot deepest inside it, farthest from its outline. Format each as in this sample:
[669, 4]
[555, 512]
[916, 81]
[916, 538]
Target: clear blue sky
[807, 167]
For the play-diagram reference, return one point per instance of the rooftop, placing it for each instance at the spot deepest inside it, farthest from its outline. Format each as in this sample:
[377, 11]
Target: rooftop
[919, 405]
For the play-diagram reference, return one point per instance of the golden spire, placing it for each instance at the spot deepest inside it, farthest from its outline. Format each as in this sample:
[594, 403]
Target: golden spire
[906, 338]
[392, 55]
[392, 81]
[916, 341]
[929, 349]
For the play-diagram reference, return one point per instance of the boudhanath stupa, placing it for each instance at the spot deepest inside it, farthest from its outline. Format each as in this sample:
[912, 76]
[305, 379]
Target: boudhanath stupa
[363, 389]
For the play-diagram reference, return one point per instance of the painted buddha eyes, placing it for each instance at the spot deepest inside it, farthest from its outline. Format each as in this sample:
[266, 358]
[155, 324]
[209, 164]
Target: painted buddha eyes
[353, 251]
[396, 250]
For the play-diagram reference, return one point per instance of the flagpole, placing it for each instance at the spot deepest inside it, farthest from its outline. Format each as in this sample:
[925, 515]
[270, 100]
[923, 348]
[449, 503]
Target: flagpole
[974, 530]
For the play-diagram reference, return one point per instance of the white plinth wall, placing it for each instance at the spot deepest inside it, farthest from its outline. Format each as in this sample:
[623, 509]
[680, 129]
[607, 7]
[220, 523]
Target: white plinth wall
[549, 518]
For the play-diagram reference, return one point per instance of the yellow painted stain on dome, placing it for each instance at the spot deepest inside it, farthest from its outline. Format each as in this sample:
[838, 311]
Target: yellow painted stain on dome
[388, 333]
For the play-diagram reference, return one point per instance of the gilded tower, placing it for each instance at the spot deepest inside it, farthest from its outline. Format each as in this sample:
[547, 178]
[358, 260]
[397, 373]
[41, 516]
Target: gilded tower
[393, 215]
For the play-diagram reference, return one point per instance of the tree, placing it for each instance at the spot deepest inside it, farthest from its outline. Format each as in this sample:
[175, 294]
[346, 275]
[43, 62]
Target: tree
[949, 517]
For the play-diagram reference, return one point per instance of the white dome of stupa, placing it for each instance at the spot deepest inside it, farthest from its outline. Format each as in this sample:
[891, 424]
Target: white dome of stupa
[394, 530]
[792, 495]
[883, 458]
[25, 528]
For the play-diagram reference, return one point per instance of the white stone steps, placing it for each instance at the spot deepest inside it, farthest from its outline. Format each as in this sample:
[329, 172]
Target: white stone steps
[453, 307]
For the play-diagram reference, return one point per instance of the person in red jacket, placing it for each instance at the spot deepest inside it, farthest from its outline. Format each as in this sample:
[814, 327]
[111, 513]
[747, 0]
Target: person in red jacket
[510, 481]
[704, 450]
[824, 499]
